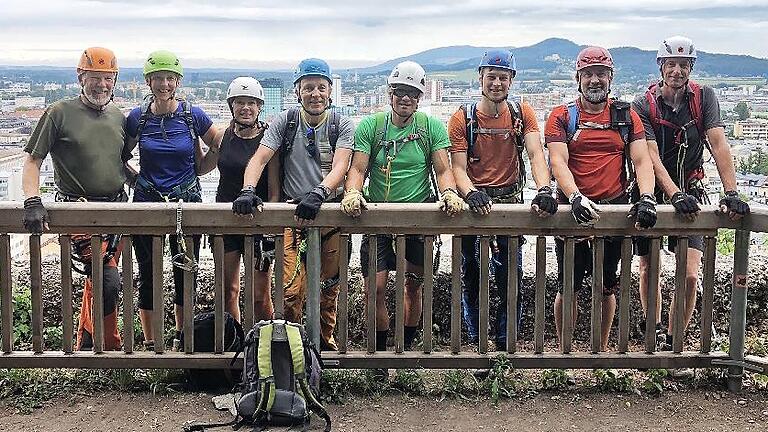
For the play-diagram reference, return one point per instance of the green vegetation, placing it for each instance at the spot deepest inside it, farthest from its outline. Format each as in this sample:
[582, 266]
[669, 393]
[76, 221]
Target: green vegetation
[755, 163]
[742, 109]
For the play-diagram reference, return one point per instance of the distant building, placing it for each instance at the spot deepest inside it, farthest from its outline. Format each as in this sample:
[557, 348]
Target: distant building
[336, 91]
[754, 129]
[29, 102]
[434, 91]
[273, 97]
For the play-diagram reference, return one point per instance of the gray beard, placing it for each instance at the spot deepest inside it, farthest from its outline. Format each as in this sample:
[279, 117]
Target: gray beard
[595, 95]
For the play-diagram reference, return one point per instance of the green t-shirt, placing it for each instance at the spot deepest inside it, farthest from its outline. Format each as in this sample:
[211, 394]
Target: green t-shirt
[86, 147]
[408, 177]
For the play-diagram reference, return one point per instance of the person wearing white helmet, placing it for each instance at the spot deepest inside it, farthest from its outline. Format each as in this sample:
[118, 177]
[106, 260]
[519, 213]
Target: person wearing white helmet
[313, 145]
[245, 98]
[397, 150]
[681, 119]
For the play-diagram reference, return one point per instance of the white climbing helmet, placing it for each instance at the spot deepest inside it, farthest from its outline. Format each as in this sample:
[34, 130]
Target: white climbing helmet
[676, 46]
[244, 86]
[408, 73]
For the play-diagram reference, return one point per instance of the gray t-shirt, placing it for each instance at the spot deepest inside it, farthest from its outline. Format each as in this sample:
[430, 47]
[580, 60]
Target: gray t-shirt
[665, 136]
[301, 170]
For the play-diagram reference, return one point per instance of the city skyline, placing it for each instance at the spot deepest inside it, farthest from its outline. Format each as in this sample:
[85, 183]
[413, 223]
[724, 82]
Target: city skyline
[265, 35]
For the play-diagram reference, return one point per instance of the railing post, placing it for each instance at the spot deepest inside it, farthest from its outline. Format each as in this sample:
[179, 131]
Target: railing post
[738, 309]
[313, 285]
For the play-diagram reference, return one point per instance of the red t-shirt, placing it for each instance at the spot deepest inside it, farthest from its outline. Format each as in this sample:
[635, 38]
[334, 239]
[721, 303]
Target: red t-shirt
[595, 156]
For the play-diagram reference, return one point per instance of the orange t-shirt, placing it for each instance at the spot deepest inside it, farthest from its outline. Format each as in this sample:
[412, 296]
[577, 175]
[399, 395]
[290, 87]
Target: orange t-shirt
[595, 156]
[498, 165]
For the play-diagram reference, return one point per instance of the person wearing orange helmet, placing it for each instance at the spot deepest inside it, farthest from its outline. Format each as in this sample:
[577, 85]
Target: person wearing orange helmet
[76, 132]
[594, 144]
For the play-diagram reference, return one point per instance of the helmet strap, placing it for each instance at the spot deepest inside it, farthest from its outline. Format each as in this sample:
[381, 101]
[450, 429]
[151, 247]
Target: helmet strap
[495, 104]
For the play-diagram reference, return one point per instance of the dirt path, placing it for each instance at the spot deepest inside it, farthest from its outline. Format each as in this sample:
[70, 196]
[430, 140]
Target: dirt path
[687, 410]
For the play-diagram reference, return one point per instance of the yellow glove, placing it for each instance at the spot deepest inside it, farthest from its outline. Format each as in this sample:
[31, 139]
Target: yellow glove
[353, 203]
[451, 203]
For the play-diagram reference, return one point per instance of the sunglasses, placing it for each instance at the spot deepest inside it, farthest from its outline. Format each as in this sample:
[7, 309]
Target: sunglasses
[401, 92]
[311, 143]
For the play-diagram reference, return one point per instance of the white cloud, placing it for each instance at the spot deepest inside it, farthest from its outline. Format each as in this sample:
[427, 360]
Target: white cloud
[277, 34]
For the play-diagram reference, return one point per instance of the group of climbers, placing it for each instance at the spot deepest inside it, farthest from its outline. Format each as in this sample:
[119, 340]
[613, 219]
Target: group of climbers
[601, 152]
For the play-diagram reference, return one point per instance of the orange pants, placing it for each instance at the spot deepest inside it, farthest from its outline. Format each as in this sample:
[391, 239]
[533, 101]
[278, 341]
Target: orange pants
[111, 285]
[295, 282]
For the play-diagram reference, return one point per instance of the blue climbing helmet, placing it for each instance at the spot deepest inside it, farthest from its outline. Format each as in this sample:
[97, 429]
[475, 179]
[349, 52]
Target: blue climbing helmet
[312, 67]
[498, 58]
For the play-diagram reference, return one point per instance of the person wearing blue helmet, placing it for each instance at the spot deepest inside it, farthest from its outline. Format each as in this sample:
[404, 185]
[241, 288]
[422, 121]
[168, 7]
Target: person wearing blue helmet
[314, 144]
[488, 139]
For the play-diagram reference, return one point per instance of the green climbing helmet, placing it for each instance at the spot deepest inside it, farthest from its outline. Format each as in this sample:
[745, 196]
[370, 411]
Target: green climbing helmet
[163, 61]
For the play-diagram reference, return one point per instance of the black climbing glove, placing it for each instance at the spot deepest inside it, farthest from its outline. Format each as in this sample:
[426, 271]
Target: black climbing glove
[309, 206]
[35, 215]
[247, 202]
[545, 201]
[685, 204]
[477, 200]
[644, 211]
[730, 201]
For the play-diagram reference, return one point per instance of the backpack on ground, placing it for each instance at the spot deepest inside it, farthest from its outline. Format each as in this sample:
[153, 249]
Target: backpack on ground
[621, 121]
[280, 380]
[204, 338]
[281, 376]
[473, 129]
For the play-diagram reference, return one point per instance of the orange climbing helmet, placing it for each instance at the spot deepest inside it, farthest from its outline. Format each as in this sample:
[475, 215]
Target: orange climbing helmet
[97, 59]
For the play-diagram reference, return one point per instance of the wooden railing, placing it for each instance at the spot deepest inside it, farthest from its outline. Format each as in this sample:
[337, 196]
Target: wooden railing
[157, 219]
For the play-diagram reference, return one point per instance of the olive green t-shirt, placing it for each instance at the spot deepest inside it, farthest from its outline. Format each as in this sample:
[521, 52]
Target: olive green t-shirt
[407, 178]
[86, 147]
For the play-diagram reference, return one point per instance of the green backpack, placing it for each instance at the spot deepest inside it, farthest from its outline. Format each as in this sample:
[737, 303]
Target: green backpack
[280, 381]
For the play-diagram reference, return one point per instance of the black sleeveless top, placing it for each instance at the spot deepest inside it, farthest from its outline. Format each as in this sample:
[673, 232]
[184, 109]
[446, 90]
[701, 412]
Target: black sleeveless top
[234, 154]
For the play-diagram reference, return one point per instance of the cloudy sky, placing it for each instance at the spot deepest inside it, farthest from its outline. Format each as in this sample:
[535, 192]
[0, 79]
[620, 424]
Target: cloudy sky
[269, 34]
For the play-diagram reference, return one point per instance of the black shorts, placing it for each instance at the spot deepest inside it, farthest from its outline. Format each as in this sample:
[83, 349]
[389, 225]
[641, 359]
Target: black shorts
[386, 259]
[236, 243]
[642, 245]
[582, 263]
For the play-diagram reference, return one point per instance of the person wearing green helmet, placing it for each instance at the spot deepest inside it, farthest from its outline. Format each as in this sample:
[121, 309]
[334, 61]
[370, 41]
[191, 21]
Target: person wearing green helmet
[168, 132]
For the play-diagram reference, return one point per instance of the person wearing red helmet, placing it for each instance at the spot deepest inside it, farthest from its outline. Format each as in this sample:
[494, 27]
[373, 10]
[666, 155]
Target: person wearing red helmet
[681, 118]
[76, 132]
[588, 150]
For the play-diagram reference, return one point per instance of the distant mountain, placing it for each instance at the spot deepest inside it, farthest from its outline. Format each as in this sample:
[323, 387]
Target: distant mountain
[555, 56]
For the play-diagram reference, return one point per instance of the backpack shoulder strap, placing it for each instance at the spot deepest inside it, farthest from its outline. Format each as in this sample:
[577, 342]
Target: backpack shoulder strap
[333, 129]
[621, 119]
[518, 126]
[145, 113]
[654, 116]
[572, 108]
[695, 105]
[289, 130]
[186, 108]
[470, 123]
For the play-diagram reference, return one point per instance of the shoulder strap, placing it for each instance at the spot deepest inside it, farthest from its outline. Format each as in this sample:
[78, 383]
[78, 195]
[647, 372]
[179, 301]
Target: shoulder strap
[145, 113]
[289, 130]
[621, 119]
[470, 123]
[695, 105]
[188, 119]
[333, 129]
[518, 126]
[653, 108]
[572, 109]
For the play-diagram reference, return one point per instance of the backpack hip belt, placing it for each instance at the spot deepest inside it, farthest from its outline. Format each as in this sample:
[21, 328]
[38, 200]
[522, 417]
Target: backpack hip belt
[174, 194]
[495, 192]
